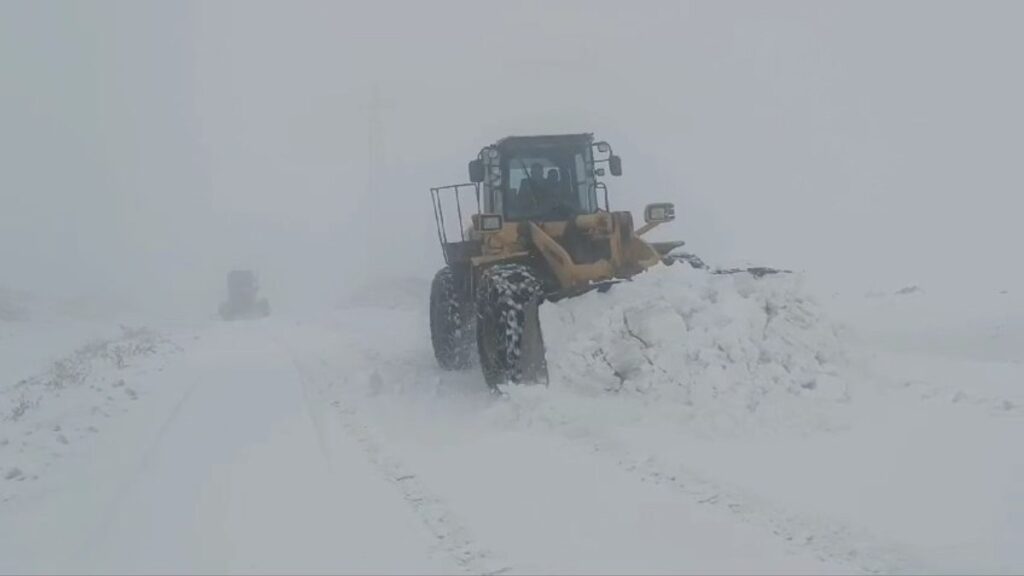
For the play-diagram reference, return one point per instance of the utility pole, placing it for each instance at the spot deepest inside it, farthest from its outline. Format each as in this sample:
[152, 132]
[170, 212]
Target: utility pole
[377, 104]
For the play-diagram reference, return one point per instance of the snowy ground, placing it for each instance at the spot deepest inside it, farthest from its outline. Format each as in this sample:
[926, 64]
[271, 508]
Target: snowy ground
[693, 424]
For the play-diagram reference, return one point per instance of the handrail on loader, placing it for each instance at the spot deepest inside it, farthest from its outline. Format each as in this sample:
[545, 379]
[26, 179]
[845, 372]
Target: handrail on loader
[456, 190]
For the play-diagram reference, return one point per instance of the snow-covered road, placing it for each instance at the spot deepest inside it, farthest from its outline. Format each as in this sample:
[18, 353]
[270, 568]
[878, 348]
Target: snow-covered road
[337, 445]
[250, 459]
[222, 470]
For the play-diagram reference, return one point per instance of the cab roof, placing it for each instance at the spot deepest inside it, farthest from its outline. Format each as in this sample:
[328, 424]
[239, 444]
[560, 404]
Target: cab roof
[559, 140]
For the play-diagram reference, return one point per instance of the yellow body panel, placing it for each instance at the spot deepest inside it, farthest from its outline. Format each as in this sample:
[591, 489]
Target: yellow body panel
[628, 254]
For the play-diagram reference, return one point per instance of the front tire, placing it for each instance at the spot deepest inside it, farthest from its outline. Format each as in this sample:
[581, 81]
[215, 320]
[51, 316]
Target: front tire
[450, 329]
[509, 339]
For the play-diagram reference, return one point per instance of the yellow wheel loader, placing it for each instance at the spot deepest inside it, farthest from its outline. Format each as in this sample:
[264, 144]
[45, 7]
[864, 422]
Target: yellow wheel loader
[532, 229]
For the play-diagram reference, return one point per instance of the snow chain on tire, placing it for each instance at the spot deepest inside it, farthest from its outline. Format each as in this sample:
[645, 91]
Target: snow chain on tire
[507, 296]
[450, 329]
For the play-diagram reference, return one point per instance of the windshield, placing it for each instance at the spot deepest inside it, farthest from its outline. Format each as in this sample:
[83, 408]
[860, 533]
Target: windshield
[547, 184]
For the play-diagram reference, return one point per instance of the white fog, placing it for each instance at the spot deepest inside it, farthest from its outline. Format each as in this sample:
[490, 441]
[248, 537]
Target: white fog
[854, 412]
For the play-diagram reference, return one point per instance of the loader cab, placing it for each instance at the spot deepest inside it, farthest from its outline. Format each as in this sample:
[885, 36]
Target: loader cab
[543, 178]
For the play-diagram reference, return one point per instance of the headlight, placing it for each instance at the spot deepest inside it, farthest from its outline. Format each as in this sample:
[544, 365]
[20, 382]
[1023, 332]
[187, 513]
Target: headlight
[489, 222]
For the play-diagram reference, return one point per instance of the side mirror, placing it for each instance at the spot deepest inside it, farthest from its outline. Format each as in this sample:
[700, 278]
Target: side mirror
[615, 165]
[476, 171]
[659, 213]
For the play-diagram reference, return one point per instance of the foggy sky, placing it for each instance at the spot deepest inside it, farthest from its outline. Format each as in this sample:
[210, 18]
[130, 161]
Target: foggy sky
[148, 147]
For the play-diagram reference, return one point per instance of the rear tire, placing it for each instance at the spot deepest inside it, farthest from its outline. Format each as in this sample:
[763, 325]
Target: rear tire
[450, 326]
[509, 339]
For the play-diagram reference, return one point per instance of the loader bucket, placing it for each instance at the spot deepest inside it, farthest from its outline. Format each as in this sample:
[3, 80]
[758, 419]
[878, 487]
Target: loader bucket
[695, 261]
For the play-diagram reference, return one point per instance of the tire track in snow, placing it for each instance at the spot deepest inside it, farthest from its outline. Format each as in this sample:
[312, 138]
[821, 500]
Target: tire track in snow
[828, 540]
[143, 464]
[825, 539]
[453, 538]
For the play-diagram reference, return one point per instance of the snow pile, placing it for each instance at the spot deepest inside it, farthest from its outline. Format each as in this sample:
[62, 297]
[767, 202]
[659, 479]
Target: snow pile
[42, 415]
[725, 350]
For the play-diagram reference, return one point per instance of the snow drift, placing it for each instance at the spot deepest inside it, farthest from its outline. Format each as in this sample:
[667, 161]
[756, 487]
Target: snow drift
[727, 351]
[41, 415]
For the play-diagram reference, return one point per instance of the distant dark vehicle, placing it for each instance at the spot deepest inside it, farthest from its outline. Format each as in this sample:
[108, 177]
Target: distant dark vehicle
[242, 302]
